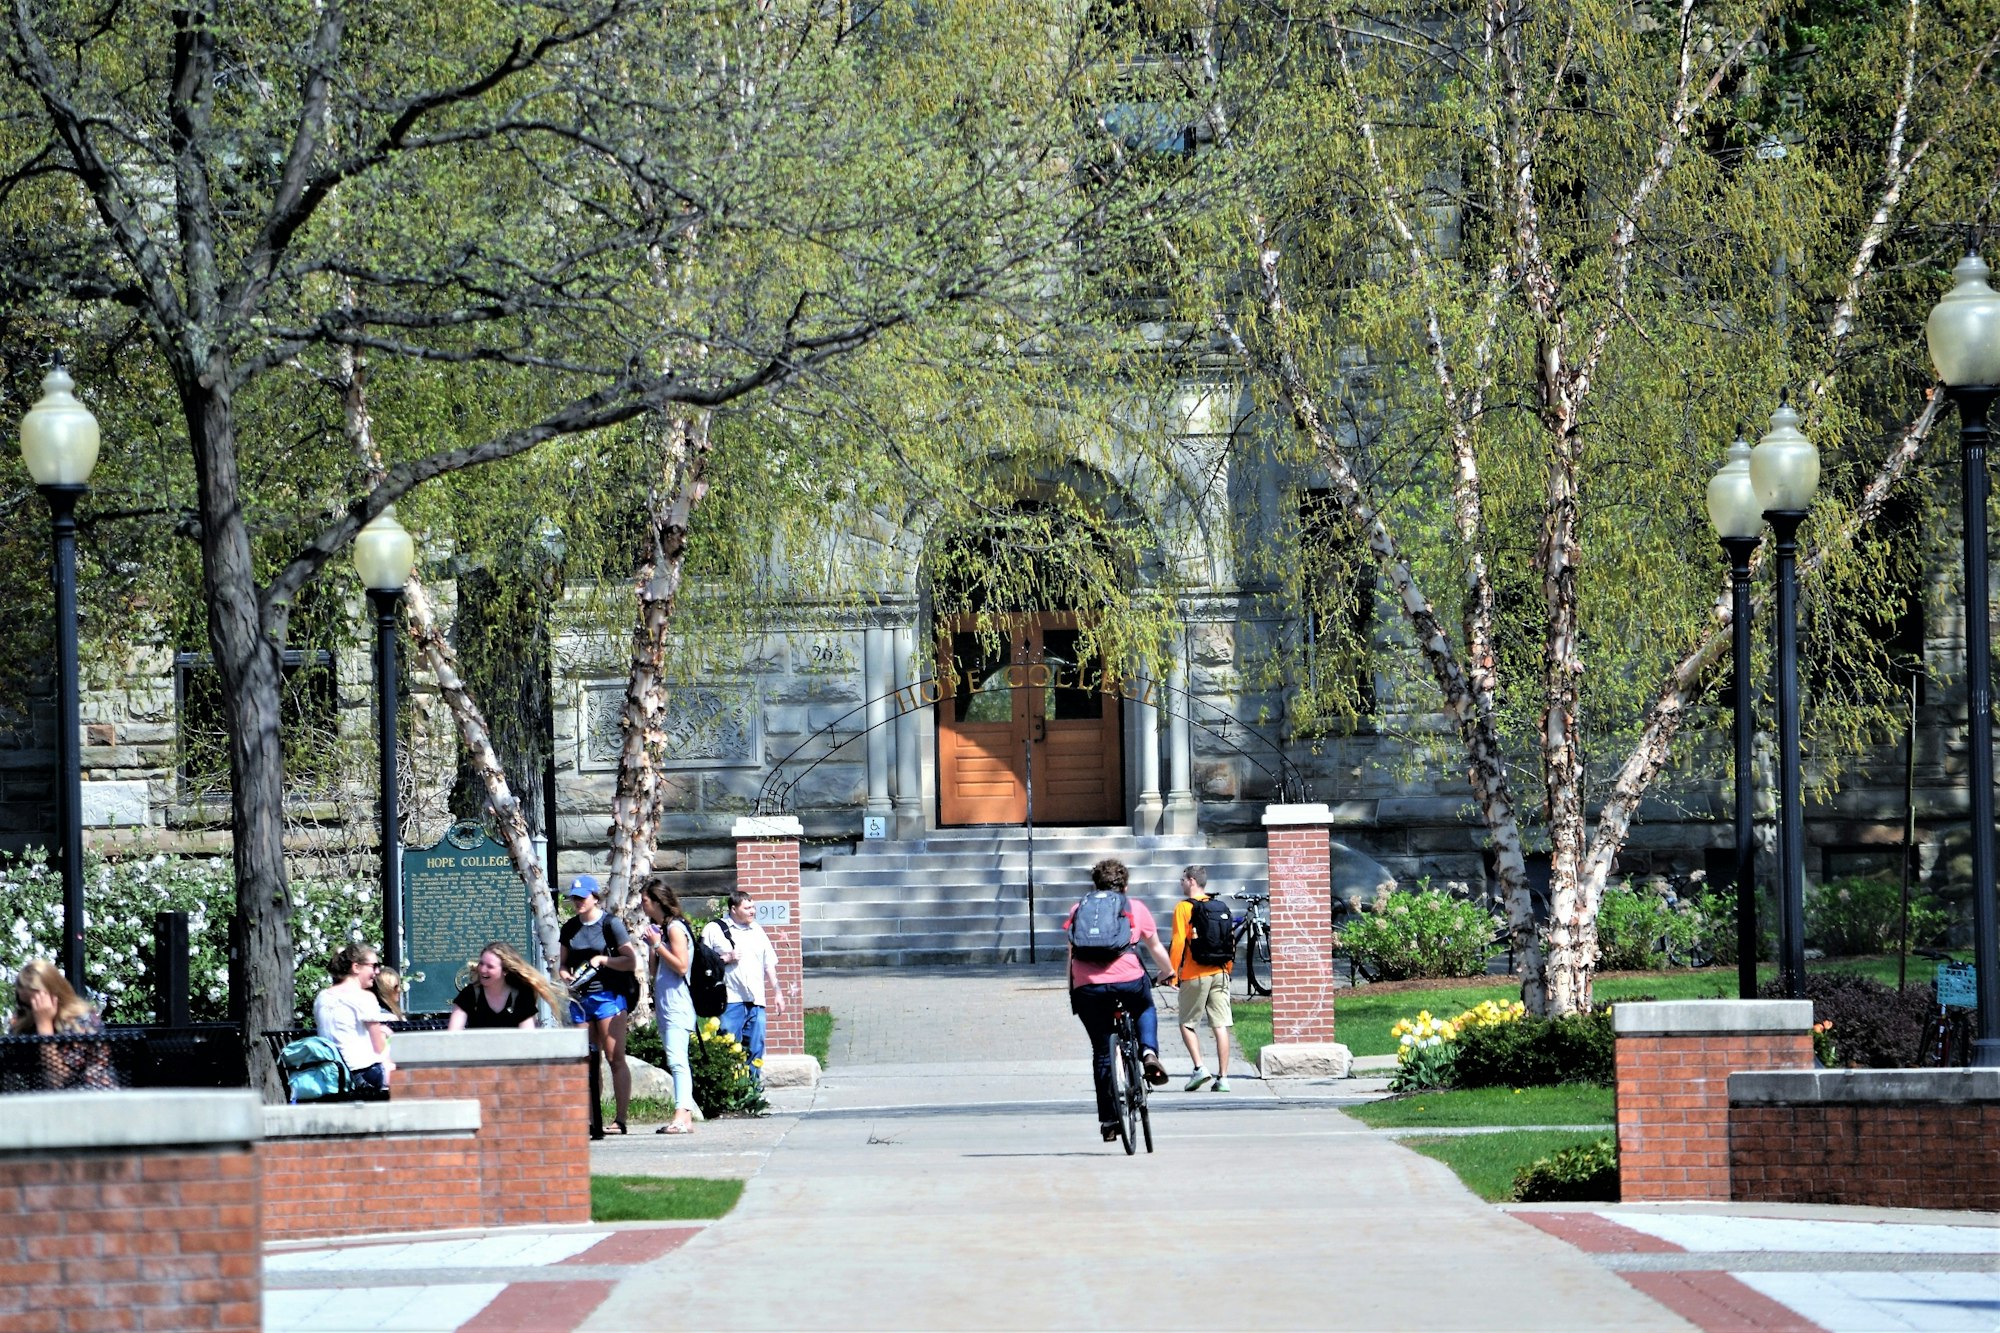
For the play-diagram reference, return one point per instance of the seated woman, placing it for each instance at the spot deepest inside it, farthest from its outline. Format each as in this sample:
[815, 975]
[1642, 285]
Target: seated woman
[348, 1015]
[44, 1004]
[502, 992]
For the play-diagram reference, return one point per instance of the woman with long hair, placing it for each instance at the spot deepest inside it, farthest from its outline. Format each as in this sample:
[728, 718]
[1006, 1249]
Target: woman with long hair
[47, 1006]
[348, 1014]
[672, 940]
[501, 991]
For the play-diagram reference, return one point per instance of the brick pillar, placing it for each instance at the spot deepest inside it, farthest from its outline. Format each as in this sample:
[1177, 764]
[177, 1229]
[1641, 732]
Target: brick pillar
[767, 867]
[1301, 924]
[1674, 1063]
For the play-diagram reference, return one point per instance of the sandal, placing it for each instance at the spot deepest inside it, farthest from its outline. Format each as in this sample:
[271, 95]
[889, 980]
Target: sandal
[620, 1124]
[675, 1129]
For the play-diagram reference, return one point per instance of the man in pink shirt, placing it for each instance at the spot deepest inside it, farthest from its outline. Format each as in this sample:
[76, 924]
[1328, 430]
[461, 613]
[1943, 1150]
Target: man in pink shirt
[1100, 977]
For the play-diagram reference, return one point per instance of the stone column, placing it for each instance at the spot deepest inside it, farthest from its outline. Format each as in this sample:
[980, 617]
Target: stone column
[1146, 730]
[1302, 981]
[1674, 1062]
[876, 685]
[767, 866]
[1180, 815]
[910, 821]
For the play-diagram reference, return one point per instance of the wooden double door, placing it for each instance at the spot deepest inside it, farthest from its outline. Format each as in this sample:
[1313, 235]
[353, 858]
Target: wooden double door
[1032, 703]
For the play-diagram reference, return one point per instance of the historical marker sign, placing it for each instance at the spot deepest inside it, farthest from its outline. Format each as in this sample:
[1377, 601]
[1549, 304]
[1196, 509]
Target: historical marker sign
[459, 895]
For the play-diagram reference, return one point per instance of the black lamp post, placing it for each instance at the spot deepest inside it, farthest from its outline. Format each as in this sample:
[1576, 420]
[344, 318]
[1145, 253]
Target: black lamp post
[59, 445]
[384, 554]
[1738, 520]
[1784, 469]
[1964, 331]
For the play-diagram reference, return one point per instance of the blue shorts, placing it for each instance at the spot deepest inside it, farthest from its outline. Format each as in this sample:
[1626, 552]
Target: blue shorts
[593, 1005]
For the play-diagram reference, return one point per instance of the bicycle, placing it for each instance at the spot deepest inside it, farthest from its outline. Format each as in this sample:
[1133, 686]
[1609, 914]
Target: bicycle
[1253, 935]
[1128, 1080]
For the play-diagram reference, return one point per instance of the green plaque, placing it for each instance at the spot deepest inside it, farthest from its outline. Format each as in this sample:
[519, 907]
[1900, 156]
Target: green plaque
[458, 896]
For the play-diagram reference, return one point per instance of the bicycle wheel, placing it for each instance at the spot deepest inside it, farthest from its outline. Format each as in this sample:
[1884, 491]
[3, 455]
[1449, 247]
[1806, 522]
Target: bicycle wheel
[1135, 1100]
[1143, 1096]
[1121, 1089]
[1257, 962]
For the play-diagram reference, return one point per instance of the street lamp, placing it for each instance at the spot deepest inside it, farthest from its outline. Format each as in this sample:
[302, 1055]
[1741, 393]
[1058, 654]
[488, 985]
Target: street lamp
[1738, 518]
[1964, 331]
[1784, 470]
[384, 554]
[59, 445]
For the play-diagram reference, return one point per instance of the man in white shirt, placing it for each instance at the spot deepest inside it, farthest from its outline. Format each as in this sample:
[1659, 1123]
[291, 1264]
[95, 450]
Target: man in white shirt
[750, 963]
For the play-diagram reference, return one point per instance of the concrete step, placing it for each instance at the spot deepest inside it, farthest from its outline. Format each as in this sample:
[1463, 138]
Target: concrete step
[1015, 857]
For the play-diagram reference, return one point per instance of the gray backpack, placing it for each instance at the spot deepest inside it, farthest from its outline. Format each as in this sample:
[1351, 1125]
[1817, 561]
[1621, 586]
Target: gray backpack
[1101, 927]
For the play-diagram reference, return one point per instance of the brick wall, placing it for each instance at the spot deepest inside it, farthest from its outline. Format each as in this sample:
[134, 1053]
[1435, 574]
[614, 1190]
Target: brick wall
[371, 1182]
[1301, 924]
[100, 1229]
[1674, 1063]
[767, 867]
[1892, 1138]
[533, 1092]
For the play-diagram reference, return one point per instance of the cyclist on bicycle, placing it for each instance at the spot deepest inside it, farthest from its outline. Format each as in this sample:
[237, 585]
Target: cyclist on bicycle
[1100, 976]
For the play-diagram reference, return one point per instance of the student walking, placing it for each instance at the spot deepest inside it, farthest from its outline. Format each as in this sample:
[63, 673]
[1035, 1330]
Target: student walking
[673, 1003]
[750, 964]
[1203, 953]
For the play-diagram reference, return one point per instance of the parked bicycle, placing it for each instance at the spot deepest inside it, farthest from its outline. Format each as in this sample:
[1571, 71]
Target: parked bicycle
[1128, 1080]
[1253, 936]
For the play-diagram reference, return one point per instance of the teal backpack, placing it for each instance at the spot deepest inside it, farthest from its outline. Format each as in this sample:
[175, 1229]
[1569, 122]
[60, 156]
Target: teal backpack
[314, 1070]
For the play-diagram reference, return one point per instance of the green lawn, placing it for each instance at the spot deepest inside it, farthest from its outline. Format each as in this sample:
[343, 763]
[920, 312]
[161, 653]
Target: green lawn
[819, 1033]
[660, 1198]
[1251, 1034]
[1568, 1104]
[1487, 1163]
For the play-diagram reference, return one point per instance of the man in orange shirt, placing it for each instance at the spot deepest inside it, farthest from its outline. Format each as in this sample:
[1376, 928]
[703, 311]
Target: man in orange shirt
[1203, 953]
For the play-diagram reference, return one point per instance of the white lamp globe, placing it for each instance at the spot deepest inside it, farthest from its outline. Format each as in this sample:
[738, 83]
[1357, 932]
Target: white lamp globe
[384, 553]
[1964, 328]
[1784, 467]
[1733, 507]
[59, 435]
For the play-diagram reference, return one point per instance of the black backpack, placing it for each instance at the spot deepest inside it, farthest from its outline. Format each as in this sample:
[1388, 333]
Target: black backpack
[706, 980]
[1211, 937]
[1101, 927]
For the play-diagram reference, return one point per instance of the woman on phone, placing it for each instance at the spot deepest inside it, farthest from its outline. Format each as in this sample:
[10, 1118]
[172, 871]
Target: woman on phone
[672, 942]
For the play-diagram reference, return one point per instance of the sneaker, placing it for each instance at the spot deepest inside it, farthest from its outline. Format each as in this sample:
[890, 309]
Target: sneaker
[1156, 1073]
[1221, 1085]
[1109, 1131]
[1198, 1082]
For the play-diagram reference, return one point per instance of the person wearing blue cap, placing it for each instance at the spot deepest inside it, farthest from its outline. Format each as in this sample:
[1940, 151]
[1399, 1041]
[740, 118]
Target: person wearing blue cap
[596, 945]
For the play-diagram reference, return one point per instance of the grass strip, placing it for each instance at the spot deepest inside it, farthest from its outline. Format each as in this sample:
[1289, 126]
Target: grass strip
[1488, 1163]
[1567, 1104]
[660, 1198]
[819, 1033]
[1250, 1036]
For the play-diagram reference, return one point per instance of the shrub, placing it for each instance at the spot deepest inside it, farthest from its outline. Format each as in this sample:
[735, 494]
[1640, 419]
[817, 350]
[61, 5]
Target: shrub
[723, 1081]
[1428, 933]
[1879, 1027]
[1715, 925]
[1537, 1052]
[120, 898]
[1639, 929]
[1585, 1173]
[1847, 917]
[1426, 1047]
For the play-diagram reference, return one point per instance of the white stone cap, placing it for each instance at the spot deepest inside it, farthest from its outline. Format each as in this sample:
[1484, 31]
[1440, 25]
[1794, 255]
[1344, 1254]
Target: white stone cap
[334, 1120]
[1694, 1018]
[488, 1046]
[1794, 1086]
[767, 826]
[1279, 816]
[154, 1118]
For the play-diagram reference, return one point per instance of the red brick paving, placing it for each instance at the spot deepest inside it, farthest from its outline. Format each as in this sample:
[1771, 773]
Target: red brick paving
[636, 1247]
[1718, 1303]
[1597, 1235]
[539, 1307]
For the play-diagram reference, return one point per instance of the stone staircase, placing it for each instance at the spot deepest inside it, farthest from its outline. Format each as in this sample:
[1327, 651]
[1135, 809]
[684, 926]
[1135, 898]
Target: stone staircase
[959, 895]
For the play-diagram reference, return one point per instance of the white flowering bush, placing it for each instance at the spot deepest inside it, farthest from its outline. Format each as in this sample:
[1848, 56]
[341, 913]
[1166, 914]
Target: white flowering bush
[120, 898]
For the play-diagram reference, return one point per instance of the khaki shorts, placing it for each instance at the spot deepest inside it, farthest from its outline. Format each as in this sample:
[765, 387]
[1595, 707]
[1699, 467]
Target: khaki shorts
[1209, 996]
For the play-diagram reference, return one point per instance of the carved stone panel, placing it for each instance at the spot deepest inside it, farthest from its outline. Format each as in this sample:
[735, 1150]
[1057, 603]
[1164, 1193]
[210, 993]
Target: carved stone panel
[715, 725]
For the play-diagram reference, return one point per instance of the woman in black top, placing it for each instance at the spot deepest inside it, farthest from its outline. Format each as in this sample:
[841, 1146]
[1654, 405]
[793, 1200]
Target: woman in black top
[502, 993]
